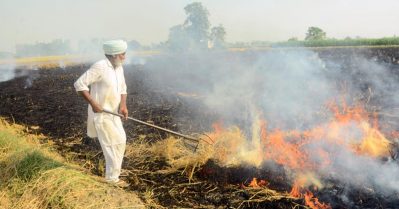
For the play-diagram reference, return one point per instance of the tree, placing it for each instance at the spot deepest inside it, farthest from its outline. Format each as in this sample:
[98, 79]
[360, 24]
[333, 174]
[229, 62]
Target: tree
[217, 37]
[197, 23]
[193, 34]
[178, 39]
[315, 33]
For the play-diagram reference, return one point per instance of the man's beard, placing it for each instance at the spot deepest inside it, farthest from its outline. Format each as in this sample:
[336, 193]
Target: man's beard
[118, 62]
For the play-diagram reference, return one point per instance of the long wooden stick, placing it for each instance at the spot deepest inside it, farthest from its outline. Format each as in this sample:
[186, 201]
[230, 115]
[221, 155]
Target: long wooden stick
[155, 126]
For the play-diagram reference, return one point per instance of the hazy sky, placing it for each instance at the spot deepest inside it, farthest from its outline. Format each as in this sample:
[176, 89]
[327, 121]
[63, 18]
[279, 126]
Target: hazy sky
[148, 21]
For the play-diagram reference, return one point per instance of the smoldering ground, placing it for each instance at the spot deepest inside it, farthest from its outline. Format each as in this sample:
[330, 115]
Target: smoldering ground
[28, 67]
[7, 72]
[290, 90]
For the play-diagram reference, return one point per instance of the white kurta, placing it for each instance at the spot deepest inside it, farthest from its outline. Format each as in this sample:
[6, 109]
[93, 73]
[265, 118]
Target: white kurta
[106, 86]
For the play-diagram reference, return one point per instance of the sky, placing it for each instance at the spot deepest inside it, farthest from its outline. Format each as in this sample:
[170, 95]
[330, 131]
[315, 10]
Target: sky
[31, 21]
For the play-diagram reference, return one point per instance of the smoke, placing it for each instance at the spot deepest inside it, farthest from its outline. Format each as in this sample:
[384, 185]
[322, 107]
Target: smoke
[32, 75]
[10, 71]
[282, 84]
[287, 83]
[7, 72]
[362, 171]
[290, 89]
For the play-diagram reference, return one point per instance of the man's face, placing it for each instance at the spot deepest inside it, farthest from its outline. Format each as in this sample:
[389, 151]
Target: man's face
[119, 58]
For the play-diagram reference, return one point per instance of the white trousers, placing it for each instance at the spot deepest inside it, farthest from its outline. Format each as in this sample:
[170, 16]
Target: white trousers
[112, 138]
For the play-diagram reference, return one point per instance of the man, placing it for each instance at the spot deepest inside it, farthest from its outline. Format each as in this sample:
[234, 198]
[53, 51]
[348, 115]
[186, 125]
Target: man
[107, 91]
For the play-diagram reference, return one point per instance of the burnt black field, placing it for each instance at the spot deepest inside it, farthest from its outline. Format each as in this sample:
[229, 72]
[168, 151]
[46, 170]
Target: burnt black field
[46, 102]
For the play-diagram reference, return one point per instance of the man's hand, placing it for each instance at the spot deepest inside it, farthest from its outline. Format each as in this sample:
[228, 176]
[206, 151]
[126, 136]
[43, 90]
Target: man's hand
[96, 108]
[123, 110]
[123, 107]
[86, 95]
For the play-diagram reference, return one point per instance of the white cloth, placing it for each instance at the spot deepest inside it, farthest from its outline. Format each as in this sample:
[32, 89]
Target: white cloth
[114, 47]
[106, 87]
[108, 128]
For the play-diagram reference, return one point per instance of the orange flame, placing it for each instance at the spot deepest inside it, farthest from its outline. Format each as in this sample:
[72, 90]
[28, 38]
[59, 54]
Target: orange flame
[285, 153]
[373, 142]
[296, 189]
[350, 128]
[257, 184]
[218, 129]
[313, 202]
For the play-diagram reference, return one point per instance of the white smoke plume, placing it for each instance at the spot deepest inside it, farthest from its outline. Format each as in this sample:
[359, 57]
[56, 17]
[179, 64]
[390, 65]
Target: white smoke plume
[7, 72]
[290, 89]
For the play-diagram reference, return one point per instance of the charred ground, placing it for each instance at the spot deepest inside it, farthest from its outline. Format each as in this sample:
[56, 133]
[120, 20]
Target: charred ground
[46, 102]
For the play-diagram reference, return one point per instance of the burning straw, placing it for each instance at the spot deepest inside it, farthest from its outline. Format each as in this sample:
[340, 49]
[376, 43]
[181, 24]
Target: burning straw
[308, 157]
[177, 179]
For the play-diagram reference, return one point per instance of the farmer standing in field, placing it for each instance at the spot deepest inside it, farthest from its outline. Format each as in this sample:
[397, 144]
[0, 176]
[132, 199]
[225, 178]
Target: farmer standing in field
[107, 91]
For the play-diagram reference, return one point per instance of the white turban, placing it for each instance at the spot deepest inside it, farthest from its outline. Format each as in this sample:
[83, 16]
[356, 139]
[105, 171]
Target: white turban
[114, 47]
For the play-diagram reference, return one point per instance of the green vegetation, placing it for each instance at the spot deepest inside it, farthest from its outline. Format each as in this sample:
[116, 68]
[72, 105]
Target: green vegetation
[316, 37]
[34, 163]
[388, 41]
[315, 33]
[32, 176]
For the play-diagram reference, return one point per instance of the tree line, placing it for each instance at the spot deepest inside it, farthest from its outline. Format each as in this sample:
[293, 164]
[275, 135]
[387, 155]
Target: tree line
[316, 37]
[195, 34]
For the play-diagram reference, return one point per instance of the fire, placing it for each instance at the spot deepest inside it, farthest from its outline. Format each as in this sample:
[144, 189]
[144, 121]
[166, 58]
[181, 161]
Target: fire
[232, 148]
[298, 191]
[257, 184]
[349, 129]
[374, 143]
[285, 153]
[313, 202]
[228, 144]
[304, 152]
